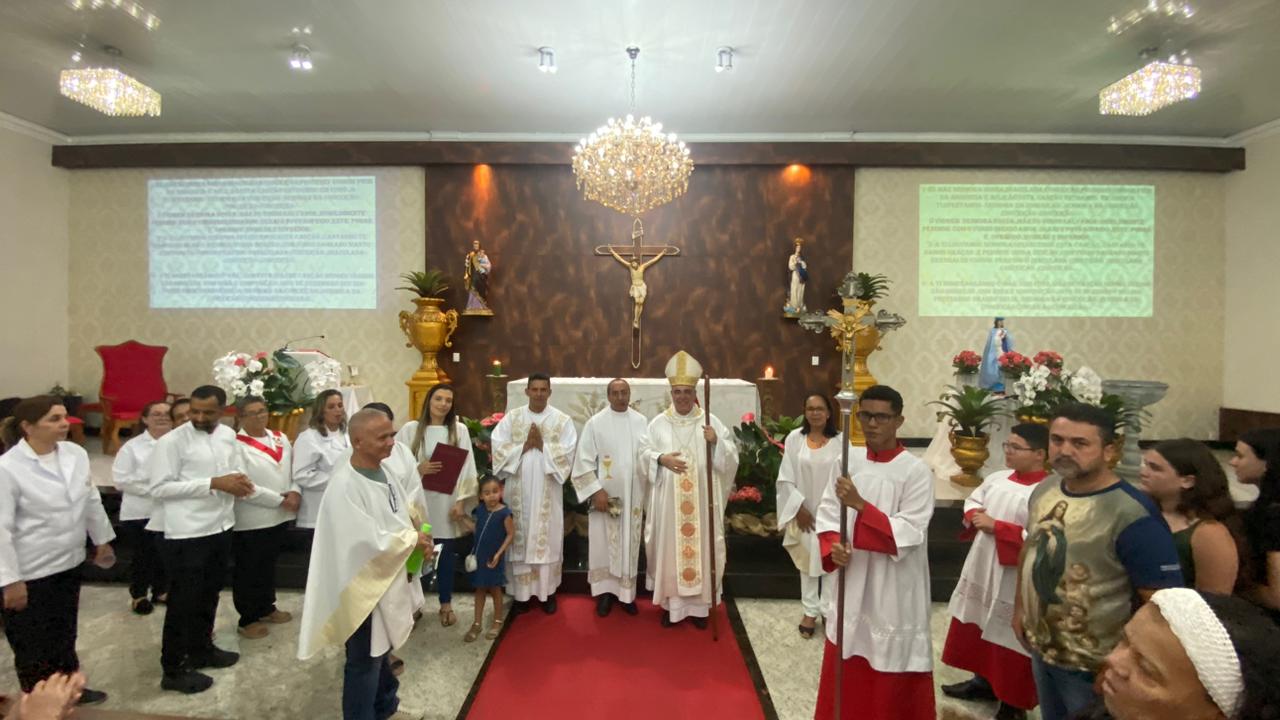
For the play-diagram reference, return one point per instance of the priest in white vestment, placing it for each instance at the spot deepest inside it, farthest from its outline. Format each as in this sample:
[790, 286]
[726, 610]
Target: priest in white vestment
[686, 523]
[888, 650]
[607, 474]
[358, 592]
[533, 456]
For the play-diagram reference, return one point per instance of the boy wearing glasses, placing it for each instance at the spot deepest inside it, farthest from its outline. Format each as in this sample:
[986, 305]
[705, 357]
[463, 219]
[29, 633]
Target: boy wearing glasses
[981, 638]
[888, 651]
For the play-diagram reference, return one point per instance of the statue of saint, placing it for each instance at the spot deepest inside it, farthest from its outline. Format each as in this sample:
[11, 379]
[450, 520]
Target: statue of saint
[476, 279]
[798, 272]
[998, 342]
[638, 290]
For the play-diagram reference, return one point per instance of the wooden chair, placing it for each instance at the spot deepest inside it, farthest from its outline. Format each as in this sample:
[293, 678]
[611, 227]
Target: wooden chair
[132, 376]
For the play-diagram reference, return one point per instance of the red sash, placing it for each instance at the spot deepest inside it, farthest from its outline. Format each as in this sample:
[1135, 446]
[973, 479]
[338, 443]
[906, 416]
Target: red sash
[274, 452]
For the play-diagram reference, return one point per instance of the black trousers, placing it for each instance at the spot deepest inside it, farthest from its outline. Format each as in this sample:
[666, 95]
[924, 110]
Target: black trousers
[197, 568]
[43, 636]
[146, 571]
[253, 579]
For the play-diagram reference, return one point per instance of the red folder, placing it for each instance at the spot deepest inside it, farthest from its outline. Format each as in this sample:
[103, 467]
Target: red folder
[451, 459]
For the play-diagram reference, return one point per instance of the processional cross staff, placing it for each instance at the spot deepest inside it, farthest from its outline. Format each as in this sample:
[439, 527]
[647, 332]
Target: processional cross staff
[637, 264]
[856, 319]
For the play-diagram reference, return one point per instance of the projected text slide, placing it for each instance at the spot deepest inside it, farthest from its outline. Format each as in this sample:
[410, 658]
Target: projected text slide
[283, 242]
[1036, 250]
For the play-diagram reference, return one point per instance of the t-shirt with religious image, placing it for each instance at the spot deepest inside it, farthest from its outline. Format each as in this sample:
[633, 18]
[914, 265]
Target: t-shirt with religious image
[1086, 555]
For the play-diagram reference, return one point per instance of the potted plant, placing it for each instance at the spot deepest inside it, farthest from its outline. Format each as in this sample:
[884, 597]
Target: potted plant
[869, 288]
[752, 508]
[71, 399]
[966, 364]
[425, 283]
[428, 328]
[971, 411]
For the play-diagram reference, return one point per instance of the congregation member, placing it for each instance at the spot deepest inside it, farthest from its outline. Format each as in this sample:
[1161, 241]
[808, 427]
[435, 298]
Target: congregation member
[261, 519]
[533, 455]
[1192, 656]
[1257, 462]
[358, 592]
[179, 410]
[1094, 543]
[981, 638]
[129, 472]
[49, 507]
[607, 475]
[449, 511]
[316, 452]
[888, 648]
[809, 454]
[495, 529]
[1188, 484]
[686, 518]
[195, 479]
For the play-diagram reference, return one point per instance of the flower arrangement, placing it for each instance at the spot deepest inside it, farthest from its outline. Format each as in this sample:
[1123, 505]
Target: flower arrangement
[1014, 364]
[749, 493]
[481, 432]
[759, 457]
[966, 362]
[1049, 359]
[277, 378]
[1043, 388]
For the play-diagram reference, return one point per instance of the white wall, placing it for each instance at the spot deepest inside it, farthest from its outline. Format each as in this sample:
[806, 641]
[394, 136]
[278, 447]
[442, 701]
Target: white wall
[34, 264]
[1251, 342]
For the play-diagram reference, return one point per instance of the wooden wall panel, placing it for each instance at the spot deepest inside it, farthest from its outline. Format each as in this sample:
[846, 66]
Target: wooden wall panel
[563, 310]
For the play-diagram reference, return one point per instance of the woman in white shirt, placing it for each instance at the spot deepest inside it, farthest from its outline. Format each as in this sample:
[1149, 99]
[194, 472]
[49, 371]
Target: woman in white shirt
[447, 511]
[316, 451]
[809, 453]
[48, 504]
[261, 519]
[129, 472]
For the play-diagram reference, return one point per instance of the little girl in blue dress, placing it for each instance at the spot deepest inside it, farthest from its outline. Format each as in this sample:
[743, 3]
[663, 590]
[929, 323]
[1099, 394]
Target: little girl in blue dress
[494, 529]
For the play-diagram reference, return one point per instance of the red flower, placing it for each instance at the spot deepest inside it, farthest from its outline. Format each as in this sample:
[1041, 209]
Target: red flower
[492, 420]
[240, 362]
[966, 361]
[260, 356]
[748, 417]
[1049, 359]
[750, 493]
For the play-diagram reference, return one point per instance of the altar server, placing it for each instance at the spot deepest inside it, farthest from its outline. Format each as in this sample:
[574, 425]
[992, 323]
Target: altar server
[316, 452]
[129, 472]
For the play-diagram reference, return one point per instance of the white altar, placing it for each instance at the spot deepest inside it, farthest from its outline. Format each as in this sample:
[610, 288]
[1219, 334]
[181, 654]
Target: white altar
[580, 398]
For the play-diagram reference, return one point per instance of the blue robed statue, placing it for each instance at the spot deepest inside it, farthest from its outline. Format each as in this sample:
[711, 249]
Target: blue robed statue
[998, 342]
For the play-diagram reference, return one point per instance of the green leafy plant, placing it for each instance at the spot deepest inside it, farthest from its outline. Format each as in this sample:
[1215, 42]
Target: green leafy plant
[868, 287]
[972, 409]
[425, 283]
[759, 457]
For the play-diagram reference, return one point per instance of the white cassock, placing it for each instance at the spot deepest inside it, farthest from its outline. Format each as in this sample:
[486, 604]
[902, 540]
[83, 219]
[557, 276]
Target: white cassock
[608, 459]
[802, 478]
[677, 537]
[314, 458]
[533, 490]
[439, 504]
[364, 535]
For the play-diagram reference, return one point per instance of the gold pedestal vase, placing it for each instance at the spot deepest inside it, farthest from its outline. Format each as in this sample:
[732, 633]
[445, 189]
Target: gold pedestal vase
[428, 329]
[970, 453]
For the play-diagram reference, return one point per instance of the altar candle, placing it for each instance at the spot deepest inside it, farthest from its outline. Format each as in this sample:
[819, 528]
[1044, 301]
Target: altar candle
[768, 372]
[497, 368]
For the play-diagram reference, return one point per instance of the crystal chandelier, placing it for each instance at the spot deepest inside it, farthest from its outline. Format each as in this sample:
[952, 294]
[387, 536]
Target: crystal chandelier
[1157, 85]
[109, 91]
[629, 165]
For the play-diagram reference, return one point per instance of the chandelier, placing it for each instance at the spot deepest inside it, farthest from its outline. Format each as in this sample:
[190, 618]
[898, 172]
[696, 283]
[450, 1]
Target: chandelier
[629, 165]
[109, 91]
[1158, 84]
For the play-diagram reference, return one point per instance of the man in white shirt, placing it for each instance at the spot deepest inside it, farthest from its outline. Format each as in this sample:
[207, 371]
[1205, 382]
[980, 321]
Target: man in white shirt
[195, 478]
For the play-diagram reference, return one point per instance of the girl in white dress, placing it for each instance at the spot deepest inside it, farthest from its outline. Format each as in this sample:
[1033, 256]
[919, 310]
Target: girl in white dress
[316, 451]
[129, 472]
[809, 454]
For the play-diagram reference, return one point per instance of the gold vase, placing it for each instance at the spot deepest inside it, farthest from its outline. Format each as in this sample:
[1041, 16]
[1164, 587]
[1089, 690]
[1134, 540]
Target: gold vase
[970, 454]
[288, 423]
[428, 329]
[865, 342]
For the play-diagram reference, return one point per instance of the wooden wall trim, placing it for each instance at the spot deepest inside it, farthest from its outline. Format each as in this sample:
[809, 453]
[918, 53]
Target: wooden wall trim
[1232, 422]
[1065, 156]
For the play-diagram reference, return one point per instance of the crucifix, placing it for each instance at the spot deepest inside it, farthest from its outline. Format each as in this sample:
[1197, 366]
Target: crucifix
[637, 264]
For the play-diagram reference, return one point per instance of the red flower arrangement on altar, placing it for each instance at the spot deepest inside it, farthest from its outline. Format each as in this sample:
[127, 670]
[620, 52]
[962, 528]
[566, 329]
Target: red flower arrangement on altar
[492, 420]
[749, 493]
[1014, 364]
[966, 361]
[1049, 359]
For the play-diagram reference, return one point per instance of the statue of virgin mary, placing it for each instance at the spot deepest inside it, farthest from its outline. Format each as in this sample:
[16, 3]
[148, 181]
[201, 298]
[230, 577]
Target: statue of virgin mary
[998, 342]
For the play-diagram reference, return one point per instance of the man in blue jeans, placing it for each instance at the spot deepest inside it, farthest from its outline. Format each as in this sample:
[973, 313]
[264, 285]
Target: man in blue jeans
[1096, 547]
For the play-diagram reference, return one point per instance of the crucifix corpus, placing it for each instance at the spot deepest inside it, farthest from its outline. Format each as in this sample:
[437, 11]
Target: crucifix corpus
[636, 265]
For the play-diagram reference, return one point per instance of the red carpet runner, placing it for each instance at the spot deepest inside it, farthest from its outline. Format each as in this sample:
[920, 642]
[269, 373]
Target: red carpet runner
[576, 665]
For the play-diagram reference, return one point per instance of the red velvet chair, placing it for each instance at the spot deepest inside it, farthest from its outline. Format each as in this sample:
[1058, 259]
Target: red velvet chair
[132, 376]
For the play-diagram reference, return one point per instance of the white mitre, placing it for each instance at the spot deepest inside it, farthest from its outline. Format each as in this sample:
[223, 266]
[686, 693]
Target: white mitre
[682, 369]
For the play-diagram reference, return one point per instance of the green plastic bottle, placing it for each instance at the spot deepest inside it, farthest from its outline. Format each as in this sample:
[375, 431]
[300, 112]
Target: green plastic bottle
[414, 564]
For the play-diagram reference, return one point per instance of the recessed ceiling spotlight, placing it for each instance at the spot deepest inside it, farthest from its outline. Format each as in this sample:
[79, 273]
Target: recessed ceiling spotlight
[724, 59]
[547, 60]
[300, 57]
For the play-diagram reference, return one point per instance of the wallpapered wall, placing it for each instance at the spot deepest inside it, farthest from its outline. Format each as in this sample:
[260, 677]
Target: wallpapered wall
[109, 296]
[1181, 344]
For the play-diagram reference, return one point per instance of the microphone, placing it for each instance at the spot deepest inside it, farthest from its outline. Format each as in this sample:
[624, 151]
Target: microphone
[308, 337]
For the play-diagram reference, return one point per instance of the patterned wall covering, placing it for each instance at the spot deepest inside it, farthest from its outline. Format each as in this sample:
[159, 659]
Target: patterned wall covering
[561, 309]
[1181, 344]
[109, 297]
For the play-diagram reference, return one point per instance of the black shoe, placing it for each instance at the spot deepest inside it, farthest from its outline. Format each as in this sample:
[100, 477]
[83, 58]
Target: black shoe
[604, 604]
[975, 688]
[549, 605]
[215, 658]
[700, 623]
[629, 608]
[188, 683]
[1009, 712]
[160, 599]
[142, 606]
[92, 697]
[520, 607]
[666, 620]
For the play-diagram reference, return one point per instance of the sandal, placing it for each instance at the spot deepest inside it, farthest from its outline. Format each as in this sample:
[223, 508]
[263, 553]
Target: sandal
[494, 629]
[397, 666]
[447, 618]
[806, 632]
[472, 634]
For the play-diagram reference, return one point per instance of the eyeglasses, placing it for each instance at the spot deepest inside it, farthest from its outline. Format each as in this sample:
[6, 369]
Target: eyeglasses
[1010, 447]
[865, 417]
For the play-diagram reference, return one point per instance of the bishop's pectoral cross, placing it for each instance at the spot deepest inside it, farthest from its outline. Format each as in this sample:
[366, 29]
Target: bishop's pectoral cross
[637, 264]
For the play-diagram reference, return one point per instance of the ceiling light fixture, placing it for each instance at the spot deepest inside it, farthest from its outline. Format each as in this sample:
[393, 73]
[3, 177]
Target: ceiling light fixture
[724, 59]
[1178, 11]
[1156, 85]
[136, 11]
[109, 91]
[300, 57]
[547, 60]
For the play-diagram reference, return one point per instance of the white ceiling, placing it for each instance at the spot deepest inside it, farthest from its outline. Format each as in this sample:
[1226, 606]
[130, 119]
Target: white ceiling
[801, 66]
